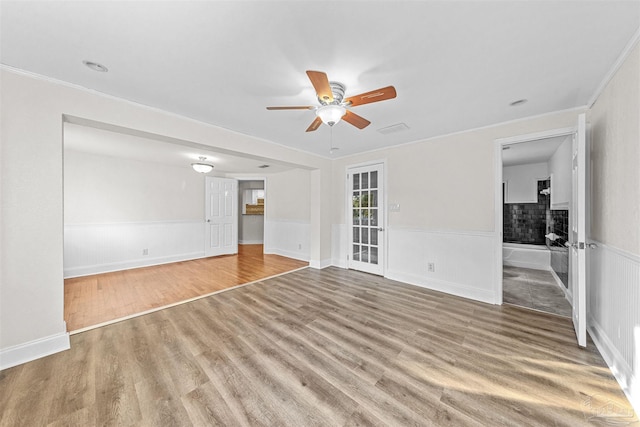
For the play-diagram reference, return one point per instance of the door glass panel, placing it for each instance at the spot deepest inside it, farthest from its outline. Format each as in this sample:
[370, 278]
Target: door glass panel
[364, 255]
[373, 256]
[374, 217]
[365, 180]
[356, 235]
[374, 180]
[356, 181]
[364, 216]
[356, 252]
[373, 199]
[374, 236]
[356, 217]
[364, 199]
[365, 235]
[356, 199]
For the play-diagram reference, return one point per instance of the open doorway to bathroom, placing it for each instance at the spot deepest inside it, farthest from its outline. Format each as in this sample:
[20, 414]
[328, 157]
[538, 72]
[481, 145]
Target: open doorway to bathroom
[536, 187]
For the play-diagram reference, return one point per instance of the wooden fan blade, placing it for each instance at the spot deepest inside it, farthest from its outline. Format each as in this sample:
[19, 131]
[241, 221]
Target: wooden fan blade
[382, 94]
[314, 125]
[307, 107]
[321, 84]
[356, 120]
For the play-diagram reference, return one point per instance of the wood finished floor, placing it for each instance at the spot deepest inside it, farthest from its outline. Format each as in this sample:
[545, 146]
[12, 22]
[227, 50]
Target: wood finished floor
[321, 348]
[92, 300]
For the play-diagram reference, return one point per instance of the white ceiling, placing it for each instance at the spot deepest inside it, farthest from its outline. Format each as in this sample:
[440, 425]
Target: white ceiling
[456, 65]
[103, 142]
[538, 151]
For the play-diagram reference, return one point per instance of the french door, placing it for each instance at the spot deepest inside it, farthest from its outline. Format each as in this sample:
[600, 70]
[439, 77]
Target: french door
[221, 215]
[366, 218]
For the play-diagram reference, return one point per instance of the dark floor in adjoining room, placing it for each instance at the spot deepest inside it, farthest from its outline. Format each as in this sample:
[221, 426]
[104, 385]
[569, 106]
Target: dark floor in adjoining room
[536, 289]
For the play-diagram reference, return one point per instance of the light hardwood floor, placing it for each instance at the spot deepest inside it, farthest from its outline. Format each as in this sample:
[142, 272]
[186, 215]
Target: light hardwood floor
[321, 348]
[100, 298]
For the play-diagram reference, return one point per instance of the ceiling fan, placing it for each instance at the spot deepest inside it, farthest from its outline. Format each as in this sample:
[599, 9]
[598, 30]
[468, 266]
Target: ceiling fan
[333, 105]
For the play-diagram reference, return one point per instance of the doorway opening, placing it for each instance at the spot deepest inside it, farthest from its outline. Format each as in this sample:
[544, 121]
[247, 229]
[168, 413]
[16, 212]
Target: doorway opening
[578, 217]
[535, 224]
[252, 204]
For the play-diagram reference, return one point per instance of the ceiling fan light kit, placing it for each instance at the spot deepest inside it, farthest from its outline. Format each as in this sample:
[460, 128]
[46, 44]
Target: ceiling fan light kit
[331, 114]
[333, 107]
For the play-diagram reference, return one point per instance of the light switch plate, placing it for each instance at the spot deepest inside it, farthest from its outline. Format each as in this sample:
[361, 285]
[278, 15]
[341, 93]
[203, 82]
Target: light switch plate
[394, 207]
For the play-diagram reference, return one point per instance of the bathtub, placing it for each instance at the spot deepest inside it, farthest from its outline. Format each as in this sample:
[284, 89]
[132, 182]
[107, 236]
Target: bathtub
[537, 257]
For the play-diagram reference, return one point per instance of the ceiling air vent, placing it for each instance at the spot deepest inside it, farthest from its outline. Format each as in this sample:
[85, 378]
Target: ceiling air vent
[394, 128]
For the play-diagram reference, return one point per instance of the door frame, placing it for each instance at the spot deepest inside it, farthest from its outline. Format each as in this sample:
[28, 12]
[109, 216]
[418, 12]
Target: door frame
[498, 208]
[347, 211]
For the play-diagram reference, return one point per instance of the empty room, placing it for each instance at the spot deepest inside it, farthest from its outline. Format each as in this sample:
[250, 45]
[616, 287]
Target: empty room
[320, 213]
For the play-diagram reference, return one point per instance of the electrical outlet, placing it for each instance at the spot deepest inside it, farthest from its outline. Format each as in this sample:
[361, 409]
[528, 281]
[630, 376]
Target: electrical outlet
[431, 267]
[145, 251]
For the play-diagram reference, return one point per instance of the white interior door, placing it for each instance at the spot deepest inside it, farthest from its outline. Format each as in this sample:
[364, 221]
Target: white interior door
[366, 218]
[221, 216]
[577, 249]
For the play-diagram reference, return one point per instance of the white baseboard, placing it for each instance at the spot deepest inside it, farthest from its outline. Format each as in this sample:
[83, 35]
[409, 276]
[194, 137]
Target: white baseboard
[127, 265]
[32, 350]
[288, 254]
[250, 242]
[443, 286]
[319, 265]
[620, 369]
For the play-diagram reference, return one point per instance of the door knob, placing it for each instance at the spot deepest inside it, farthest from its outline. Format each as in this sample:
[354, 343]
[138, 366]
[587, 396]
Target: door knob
[380, 229]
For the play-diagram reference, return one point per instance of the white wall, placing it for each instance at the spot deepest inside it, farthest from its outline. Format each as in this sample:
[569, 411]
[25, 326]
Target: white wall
[102, 189]
[445, 187]
[287, 226]
[613, 291]
[121, 213]
[560, 166]
[32, 115]
[522, 181]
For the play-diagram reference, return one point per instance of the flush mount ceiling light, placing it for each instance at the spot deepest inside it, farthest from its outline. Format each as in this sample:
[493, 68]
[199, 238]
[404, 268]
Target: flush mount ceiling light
[202, 167]
[95, 66]
[331, 114]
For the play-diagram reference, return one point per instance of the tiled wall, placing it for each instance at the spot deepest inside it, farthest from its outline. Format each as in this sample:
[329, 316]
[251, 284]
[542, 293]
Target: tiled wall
[526, 222]
[559, 225]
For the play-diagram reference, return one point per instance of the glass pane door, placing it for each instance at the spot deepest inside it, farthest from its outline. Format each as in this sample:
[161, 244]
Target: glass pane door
[366, 219]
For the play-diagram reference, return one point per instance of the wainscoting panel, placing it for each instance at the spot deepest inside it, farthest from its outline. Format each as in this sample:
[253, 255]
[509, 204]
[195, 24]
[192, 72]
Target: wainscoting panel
[464, 262]
[339, 243]
[287, 238]
[613, 306]
[100, 248]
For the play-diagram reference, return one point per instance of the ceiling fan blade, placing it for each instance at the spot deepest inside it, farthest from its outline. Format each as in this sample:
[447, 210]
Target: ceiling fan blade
[307, 107]
[321, 84]
[314, 125]
[356, 120]
[382, 94]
